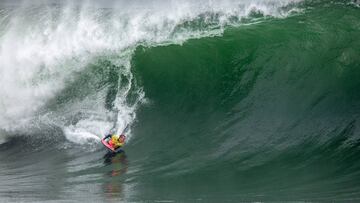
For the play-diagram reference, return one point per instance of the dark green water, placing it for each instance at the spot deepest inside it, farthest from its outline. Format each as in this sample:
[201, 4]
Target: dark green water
[268, 110]
[264, 112]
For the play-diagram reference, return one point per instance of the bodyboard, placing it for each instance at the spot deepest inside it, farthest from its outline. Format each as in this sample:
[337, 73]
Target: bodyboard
[107, 145]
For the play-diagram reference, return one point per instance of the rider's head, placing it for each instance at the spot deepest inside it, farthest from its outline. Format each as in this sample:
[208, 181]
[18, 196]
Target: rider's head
[122, 138]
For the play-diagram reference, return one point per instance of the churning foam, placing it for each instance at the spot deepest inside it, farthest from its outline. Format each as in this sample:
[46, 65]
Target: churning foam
[43, 44]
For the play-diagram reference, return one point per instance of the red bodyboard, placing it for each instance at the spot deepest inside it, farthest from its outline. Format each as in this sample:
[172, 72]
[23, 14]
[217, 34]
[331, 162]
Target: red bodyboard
[107, 145]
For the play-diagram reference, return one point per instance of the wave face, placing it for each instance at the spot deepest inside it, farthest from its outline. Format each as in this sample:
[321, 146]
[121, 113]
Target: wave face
[223, 100]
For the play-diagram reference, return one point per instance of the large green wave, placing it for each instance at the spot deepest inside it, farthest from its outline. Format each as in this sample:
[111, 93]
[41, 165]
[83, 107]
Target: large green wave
[256, 103]
[261, 108]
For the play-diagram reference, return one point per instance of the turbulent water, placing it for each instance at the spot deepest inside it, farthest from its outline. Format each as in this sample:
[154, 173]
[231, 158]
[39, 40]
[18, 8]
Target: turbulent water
[221, 101]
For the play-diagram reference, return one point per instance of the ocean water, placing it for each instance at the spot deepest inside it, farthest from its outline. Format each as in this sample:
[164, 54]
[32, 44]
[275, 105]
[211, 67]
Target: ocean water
[221, 101]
